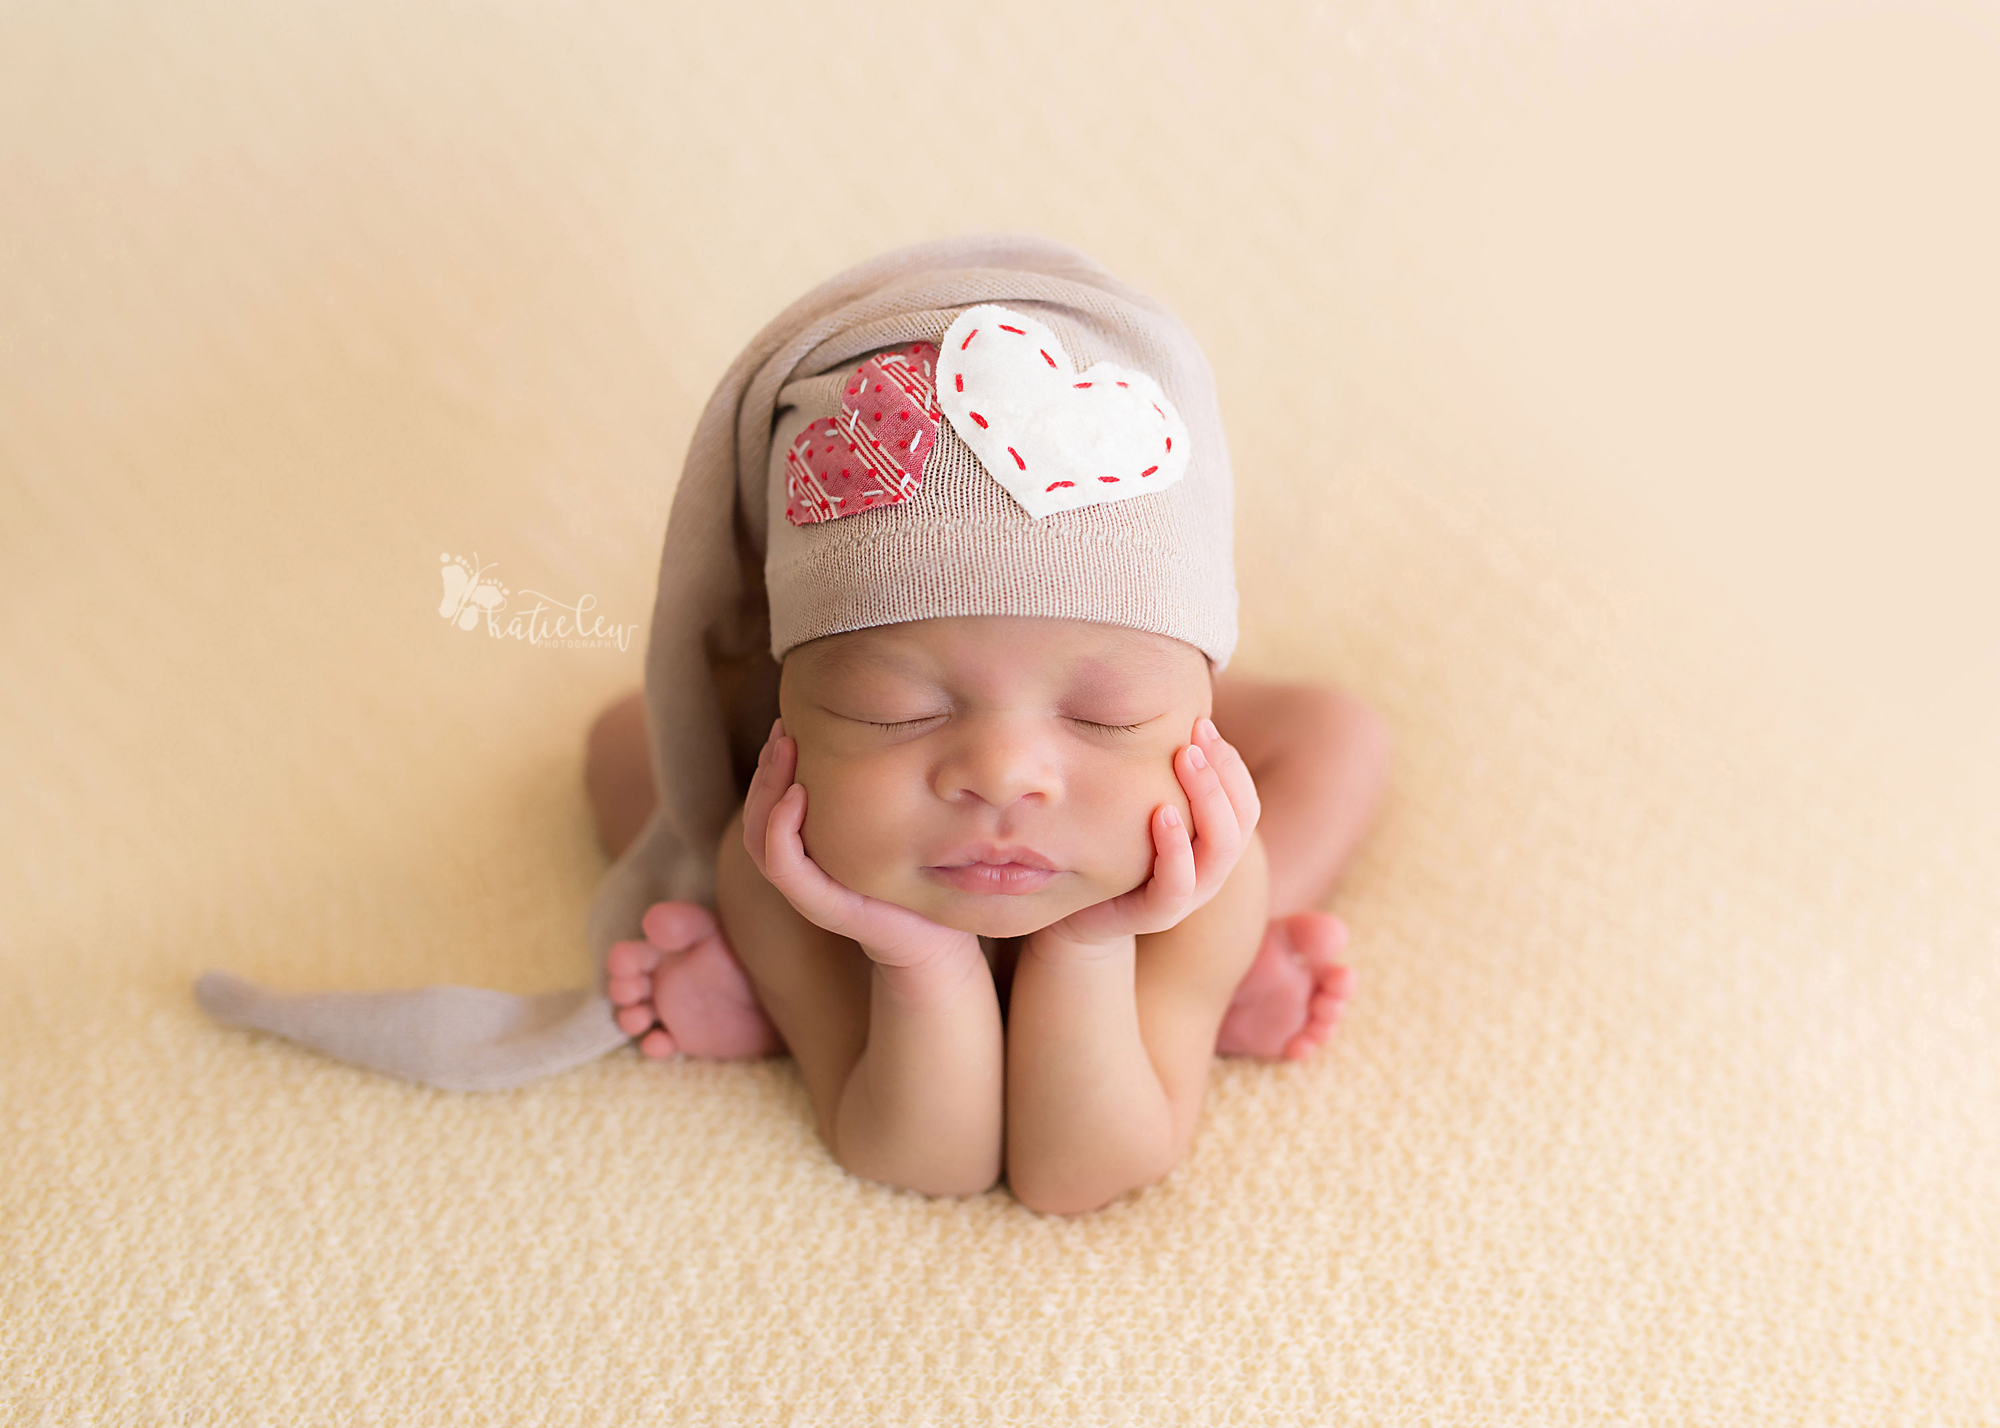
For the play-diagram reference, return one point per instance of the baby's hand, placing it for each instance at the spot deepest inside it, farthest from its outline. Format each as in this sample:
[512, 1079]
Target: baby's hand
[1187, 872]
[774, 814]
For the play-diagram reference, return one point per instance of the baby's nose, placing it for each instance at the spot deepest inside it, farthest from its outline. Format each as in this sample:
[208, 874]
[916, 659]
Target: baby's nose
[999, 764]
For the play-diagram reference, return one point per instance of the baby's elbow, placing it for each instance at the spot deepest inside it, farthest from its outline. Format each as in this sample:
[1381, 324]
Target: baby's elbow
[1068, 1195]
[1057, 1204]
[939, 1182]
[959, 1187]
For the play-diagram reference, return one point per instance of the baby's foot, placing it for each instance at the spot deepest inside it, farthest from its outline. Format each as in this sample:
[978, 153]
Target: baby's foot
[1287, 1003]
[682, 990]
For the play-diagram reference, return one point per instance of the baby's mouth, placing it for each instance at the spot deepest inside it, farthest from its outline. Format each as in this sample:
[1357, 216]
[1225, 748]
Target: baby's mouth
[1007, 871]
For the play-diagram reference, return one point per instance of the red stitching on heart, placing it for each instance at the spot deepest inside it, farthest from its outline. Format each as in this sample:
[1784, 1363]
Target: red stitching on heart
[1055, 485]
[1156, 407]
[959, 377]
[1048, 359]
[978, 418]
[1149, 471]
[1080, 384]
[1005, 328]
[1016, 455]
[968, 339]
[1124, 384]
[1107, 478]
[1170, 443]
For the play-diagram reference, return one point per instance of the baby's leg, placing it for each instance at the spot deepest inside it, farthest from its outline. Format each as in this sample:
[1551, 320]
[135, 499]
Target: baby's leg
[618, 773]
[681, 991]
[1320, 759]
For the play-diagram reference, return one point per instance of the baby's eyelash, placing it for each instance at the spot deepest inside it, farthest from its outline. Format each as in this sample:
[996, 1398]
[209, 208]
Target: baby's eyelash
[902, 723]
[1111, 728]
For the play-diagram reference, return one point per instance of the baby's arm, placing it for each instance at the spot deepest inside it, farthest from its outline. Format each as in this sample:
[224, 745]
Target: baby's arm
[1111, 1024]
[893, 1020]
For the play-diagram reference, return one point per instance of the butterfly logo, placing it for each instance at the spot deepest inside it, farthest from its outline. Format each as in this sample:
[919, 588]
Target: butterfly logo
[467, 591]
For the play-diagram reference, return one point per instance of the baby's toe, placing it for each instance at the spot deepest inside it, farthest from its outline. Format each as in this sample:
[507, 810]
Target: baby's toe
[633, 1020]
[672, 926]
[657, 1044]
[629, 991]
[631, 959]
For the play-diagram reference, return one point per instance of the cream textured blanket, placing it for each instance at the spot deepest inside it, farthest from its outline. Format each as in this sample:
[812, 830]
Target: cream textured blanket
[1587, 371]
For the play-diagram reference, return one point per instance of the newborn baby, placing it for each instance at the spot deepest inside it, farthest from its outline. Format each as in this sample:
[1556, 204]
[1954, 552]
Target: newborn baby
[932, 721]
[997, 881]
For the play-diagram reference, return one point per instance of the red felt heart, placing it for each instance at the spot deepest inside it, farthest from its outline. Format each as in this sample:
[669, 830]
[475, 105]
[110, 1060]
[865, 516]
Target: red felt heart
[873, 453]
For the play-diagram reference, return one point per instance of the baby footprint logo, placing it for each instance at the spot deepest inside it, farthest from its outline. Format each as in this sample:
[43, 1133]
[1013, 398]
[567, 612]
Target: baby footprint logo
[468, 591]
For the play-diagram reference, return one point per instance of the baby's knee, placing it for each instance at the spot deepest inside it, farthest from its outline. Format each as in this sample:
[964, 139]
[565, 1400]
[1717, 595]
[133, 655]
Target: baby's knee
[1334, 719]
[1361, 723]
[616, 736]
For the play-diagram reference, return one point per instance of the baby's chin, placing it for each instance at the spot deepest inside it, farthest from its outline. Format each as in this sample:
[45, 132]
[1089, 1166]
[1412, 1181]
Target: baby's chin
[997, 916]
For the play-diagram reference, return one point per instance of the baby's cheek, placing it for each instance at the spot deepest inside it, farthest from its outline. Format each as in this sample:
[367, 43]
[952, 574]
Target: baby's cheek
[1130, 799]
[846, 835]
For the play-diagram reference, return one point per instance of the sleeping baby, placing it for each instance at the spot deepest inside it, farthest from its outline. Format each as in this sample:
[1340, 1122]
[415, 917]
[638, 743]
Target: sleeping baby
[1000, 883]
[936, 782]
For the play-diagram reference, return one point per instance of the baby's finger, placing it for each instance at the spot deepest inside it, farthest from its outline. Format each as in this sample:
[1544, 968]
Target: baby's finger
[1234, 773]
[1173, 880]
[784, 848]
[777, 764]
[761, 779]
[791, 869]
[1209, 805]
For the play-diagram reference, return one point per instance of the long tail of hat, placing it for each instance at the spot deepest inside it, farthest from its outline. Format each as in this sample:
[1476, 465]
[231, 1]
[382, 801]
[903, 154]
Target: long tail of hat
[459, 1038]
[455, 1038]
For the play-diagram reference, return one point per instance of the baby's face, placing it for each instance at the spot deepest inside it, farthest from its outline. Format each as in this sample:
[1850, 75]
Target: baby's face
[993, 774]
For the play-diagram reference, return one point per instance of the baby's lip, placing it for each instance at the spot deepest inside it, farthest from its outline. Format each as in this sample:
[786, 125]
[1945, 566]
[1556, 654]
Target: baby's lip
[991, 869]
[995, 855]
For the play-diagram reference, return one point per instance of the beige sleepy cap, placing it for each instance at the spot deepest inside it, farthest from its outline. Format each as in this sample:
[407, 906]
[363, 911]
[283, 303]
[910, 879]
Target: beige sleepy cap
[1102, 491]
[1056, 452]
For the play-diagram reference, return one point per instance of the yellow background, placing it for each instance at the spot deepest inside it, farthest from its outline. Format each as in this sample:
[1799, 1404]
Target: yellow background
[1612, 400]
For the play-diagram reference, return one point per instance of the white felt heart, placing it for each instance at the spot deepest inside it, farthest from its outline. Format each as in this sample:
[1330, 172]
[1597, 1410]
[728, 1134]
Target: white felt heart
[1056, 439]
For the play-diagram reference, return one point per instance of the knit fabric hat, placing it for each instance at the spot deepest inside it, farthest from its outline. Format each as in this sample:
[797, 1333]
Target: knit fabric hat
[1053, 449]
[1102, 492]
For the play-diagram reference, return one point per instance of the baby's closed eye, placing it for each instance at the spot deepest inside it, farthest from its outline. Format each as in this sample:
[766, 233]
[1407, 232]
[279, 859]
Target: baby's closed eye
[1112, 725]
[890, 718]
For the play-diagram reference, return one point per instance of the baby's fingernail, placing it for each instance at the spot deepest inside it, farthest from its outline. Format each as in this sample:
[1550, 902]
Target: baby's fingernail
[1207, 730]
[1197, 757]
[1172, 818]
